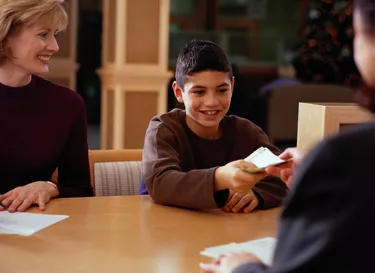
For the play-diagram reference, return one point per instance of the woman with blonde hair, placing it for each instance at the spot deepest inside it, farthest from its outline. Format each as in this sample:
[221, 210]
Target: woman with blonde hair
[43, 125]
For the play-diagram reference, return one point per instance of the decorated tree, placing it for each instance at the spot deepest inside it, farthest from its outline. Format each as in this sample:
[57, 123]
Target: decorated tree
[325, 52]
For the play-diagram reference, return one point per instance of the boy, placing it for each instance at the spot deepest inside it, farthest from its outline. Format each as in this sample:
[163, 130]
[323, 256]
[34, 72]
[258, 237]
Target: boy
[191, 158]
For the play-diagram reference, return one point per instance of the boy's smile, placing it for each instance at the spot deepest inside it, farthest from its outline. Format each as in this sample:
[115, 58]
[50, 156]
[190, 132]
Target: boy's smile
[210, 114]
[207, 97]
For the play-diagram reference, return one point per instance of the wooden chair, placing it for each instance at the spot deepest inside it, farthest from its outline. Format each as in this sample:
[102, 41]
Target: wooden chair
[96, 156]
[117, 178]
[112, 156]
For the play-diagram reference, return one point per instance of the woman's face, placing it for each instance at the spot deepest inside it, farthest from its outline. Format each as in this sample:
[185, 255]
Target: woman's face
[31, 47]
[364, 53]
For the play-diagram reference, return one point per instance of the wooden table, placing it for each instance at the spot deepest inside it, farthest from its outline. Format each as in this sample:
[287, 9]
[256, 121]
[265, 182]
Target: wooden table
[127, 234]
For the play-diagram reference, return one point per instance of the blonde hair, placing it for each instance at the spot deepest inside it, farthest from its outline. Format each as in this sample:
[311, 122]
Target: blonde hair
[19, 13]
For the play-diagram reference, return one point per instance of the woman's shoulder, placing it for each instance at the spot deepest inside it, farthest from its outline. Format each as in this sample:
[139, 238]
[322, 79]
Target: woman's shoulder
[354, 137]
[57, 94]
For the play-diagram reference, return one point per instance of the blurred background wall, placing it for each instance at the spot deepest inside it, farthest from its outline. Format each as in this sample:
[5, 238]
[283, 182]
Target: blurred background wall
[120, 54]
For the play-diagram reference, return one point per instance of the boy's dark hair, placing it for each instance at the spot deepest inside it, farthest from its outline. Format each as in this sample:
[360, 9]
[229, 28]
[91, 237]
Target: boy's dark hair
[198, 56]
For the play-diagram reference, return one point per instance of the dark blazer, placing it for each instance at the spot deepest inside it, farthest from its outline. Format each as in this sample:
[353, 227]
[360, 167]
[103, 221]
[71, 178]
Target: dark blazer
[328, 223]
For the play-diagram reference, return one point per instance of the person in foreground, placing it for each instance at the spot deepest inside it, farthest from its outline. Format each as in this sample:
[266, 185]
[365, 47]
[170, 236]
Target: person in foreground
[191, 157]
[327, 225]
[43, 125]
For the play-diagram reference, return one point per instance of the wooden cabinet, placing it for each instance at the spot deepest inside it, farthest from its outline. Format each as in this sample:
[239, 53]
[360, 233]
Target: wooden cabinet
[319, 120]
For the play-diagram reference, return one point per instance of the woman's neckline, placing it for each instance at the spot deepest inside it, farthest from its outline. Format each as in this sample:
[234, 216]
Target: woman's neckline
[22, 87]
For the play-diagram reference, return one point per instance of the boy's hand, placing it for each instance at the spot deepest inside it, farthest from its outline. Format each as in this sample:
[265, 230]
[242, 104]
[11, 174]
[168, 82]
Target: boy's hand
[286, 171]
[232, 177]
[241, 202]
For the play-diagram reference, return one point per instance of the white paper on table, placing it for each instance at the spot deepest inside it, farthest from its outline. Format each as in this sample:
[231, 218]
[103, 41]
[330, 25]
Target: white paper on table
[23, 223]
[216, 251]
[262, 248]
[263, 157]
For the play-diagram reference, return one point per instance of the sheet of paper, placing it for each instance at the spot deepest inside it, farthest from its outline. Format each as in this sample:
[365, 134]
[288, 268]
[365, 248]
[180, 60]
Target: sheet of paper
[263, 157]
[216, 251]
[263, 248]
[23, 223]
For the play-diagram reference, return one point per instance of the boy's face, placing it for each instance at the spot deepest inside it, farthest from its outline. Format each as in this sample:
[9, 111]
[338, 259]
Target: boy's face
[207, 97]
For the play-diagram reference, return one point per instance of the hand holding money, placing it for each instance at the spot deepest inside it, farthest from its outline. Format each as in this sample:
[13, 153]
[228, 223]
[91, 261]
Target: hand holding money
[261, 159]
[286, 171]
[230, 176]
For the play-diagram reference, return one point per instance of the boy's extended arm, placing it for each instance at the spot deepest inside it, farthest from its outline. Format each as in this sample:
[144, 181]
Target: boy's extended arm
[167, 184]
